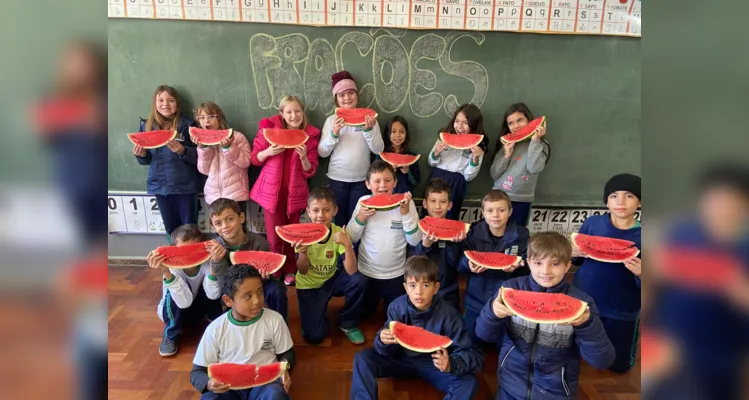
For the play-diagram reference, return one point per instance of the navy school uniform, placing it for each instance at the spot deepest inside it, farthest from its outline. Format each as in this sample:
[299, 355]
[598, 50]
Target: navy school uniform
[406, 182]
[447, 255]
[542, 361]
[396, 361]
[481, 287]
[615, 289]
[174, 179]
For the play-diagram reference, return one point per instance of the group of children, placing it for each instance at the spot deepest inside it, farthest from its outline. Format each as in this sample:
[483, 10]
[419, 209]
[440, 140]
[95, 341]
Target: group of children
[412, 272]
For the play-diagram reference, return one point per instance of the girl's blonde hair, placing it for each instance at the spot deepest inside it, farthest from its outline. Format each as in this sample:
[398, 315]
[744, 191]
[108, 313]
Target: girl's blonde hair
[157, 120]
[285, 102]
[209, 107]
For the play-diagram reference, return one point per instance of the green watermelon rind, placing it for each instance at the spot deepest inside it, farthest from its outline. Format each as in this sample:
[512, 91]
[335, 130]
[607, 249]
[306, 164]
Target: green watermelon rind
[279, 259]
[194, 130]
[282, 366]
[347, 110]
[186, 250]
[394, 326]
[388, 158]
[431, 224]
[383, 207]
[524, 132]
[130, 136]
[570, 302]
[474, 257]
[452, 137]
[286, 237]
[284, 145]
[577, 240]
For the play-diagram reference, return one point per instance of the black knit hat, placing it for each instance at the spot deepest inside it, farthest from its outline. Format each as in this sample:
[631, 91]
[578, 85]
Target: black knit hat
[628, 182]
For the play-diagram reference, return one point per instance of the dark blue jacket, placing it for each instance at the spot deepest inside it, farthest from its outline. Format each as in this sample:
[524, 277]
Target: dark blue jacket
[615, 288]
[543, 360]
[442, 319]
[406, 182]
[447, 255]
[169, 173]
[481, 287]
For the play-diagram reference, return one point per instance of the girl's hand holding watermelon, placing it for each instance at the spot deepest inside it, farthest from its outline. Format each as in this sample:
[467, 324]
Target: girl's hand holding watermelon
[441, 360]
[477, 152]
[386, 336]
[515, 266]
[270, 151]
[339, 124]
[369, 122]
[176, 147]
[476, 269]
[499, 308]
[226, 142]
[439, 147]
[405, 203]
[634, 264]
[302, 151]
[403, 170]
[217, 387]
[540, 132]
[139, 151]
[218, 252]
[508, 149]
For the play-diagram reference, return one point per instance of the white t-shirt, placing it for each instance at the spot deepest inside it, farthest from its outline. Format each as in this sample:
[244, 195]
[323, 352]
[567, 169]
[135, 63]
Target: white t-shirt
[349, 152]
[456, 160]
[257, 341]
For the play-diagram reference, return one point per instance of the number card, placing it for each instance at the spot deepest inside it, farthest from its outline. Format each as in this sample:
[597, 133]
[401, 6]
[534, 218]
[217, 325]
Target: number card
[465, 214]
[116, 217]
[153, 216]
[257, 219]
[539, 220]
[204, 223]
[559, 221]
[577, 217]
[135, 214]
[477, 214]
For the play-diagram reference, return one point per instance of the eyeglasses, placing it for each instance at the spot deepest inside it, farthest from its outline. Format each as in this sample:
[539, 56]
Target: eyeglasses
[206, 117]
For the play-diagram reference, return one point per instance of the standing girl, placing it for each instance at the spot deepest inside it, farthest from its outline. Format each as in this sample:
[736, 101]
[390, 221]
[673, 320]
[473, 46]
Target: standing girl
[455, 166]
[395, 139]
[226, 164]
[172, 173]
[348, 148]
[281, 189]
[516, 166]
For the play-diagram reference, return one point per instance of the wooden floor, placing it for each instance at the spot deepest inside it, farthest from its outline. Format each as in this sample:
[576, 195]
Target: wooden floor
[136, 371]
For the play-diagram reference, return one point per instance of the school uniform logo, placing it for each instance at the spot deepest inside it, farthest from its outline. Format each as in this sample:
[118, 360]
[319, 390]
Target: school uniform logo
[329, 254]
[513, 251]
[267, 344]
[396, 224]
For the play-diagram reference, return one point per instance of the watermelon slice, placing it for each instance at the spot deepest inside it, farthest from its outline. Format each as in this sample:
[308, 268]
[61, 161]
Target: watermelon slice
[309, 233]
[152, 139]
[418, 339]
[355, 116]
[286, 138]
[210, 137]
[245, 376]
[524, 132]
[398, 159]
[492, 260]
[698, 269]
[189, 255]
[461, 141]
[605, 249]
[383, 201]
[543, 308]
[262, 260]
[443, 229]
[52, 115]
[657, 351]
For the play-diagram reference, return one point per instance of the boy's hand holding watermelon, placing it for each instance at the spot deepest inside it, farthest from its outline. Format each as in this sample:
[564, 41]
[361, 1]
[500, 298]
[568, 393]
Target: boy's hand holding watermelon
[387, 337]
[365, 213]
[499, 308]
[580, 320]
[441, 360]
[634, 264]
[405, 203]
[155, 261]
[217, 387]
[218, 252]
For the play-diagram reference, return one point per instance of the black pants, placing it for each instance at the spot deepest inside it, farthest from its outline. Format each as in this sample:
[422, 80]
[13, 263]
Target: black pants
[176, 210]
[624, 336]
[176, 319]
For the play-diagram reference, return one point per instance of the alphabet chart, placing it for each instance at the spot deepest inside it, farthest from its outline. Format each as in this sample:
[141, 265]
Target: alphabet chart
[586, 17]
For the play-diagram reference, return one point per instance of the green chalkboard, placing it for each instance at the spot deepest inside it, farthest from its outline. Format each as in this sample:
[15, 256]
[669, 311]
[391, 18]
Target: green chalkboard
[588, 87]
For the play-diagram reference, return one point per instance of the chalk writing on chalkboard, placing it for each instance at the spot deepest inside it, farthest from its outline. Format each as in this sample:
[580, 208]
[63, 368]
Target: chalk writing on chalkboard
[396, 72]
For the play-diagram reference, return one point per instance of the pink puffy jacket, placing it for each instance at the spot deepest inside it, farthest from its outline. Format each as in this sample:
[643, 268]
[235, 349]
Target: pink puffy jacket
[227, 171]
[266, 188]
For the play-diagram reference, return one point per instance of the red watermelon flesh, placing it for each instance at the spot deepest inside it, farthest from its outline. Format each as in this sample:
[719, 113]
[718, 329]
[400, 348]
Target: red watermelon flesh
[245, 376]
[152, 139]
[461, 140]
[309, 233]
[492, 260]
[355, 116]
[210, 137]
[657, 351]
[383, 201]
[55, 114]
[261, 260]
[605, 249]
[541, 307]
[524, 132]
[442, 228]
[399, 159]
[418, 339]
[286, 138]
[187, 256]
[698, 269]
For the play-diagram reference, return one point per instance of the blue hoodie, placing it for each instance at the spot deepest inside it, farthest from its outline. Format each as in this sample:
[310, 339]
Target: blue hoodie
[447, 255]
[615, 288]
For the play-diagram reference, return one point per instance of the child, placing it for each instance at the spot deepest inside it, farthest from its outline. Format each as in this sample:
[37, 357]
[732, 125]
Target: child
[396, 140]
[318, 279]
[246, 334]
[516, 166]
[457, 167]
[281, 189]
[384, 236]
[495, 233]
[616, 287]
[226, 164]
[227, 218]
[348, 148]
[450, 370]
[172, 173]
[445, 253]
[189, 294]
[543, 360]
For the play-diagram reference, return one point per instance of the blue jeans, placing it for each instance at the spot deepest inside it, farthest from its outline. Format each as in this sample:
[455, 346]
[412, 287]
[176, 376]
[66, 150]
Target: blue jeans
[271, 391]
[313, 305]
[347, 194]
